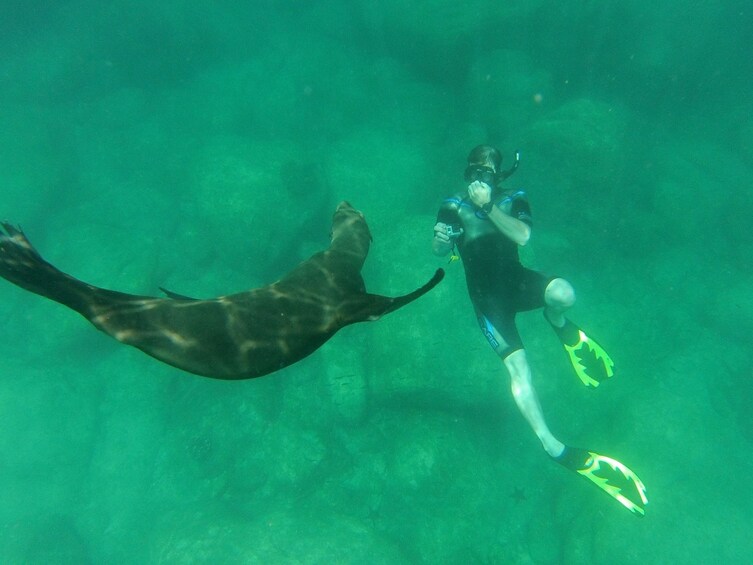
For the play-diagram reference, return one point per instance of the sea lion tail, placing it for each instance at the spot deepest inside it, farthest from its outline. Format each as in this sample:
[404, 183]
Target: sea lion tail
[22, 265]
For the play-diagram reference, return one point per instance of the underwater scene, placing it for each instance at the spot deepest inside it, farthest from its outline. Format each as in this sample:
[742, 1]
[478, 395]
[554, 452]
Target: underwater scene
[185, 150]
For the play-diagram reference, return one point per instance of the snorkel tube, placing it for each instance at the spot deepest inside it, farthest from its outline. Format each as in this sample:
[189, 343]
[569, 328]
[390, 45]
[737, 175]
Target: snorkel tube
[508, 173]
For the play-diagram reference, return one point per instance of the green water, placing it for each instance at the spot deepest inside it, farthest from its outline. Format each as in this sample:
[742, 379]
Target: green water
[203, 146]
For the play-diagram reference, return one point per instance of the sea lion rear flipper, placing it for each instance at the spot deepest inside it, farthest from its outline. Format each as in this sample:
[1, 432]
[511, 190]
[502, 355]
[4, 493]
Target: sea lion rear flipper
[370, 307]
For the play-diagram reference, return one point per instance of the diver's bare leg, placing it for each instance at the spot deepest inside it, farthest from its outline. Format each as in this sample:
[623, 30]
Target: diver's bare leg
[528, 402]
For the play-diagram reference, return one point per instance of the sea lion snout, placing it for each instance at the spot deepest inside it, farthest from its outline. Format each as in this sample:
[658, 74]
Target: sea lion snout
[346, 217]
[346, 207]
[349, 231]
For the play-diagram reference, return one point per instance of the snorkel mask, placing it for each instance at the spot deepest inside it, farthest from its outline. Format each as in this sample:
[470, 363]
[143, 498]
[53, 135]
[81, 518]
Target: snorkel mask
[487, 175]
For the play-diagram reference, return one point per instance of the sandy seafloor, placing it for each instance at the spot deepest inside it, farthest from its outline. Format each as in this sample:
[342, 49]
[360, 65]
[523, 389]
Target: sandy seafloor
[203, 146]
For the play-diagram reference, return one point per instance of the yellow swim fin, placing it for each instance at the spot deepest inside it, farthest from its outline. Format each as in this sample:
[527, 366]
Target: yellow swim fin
[589, 360]
[611, 476]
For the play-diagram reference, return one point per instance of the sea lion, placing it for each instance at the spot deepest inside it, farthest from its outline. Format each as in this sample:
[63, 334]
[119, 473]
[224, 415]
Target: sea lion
[239, 336]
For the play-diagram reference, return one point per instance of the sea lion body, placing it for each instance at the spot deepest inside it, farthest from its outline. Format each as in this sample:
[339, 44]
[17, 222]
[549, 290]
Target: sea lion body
[239, 336]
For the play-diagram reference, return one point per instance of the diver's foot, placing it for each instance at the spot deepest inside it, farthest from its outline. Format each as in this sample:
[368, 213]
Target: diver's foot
[611, 476]
[589, 360]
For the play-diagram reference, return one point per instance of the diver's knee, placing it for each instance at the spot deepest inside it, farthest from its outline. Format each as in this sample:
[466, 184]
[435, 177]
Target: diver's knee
[560, 294]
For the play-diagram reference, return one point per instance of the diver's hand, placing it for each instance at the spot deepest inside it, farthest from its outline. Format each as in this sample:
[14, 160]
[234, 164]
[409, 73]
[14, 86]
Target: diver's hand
[442, 244]
[440, 233]
[480, 193]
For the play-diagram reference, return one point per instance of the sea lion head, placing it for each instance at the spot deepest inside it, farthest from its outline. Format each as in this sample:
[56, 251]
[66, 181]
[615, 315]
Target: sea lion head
[350, 233]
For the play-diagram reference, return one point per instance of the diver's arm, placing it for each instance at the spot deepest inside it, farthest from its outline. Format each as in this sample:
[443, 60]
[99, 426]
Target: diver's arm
[514, 229]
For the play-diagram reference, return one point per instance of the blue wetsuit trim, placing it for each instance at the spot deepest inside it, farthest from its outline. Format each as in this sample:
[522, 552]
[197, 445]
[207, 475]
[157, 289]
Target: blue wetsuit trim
[488, 330]
[480, 214]
[457, 201]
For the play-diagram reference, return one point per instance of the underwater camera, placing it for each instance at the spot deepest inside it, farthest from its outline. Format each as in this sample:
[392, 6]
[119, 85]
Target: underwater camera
[453, 230]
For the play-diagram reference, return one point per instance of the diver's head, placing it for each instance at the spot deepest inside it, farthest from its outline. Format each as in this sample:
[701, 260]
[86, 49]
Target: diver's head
[485, 165]
[484, 162]
[486, 156]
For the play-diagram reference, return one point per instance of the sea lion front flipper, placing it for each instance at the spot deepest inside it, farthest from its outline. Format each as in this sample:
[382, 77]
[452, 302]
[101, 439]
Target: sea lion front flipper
[175, 295]
[400, 301]
[370, 307]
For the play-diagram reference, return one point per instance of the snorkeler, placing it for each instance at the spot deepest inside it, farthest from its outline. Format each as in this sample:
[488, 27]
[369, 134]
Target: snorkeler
[486, 224]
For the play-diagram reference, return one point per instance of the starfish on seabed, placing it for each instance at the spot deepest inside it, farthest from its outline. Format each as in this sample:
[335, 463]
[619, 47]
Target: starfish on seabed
[518, 495]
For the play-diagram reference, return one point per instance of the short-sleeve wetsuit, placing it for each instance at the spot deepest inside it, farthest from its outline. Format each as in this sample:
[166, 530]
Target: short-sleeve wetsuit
[499, 286]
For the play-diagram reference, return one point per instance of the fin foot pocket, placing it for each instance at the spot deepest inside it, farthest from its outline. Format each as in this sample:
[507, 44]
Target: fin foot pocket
[611, 476]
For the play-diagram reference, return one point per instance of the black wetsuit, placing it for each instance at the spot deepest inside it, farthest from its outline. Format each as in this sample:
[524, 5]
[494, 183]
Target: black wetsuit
[499, 286]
